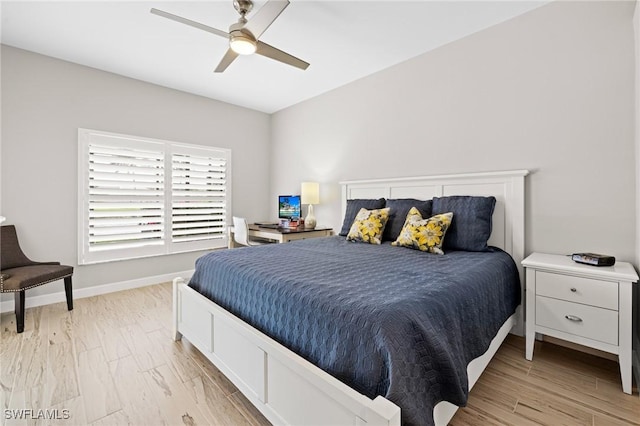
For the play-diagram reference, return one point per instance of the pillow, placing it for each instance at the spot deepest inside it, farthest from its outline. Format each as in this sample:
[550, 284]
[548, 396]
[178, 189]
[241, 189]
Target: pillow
[353, 207]
[424, 234]
[368, 226]
[471, 227]
[399, 208]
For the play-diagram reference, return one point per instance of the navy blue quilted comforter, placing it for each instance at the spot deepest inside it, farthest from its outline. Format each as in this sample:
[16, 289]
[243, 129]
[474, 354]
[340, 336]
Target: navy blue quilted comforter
[384, 320]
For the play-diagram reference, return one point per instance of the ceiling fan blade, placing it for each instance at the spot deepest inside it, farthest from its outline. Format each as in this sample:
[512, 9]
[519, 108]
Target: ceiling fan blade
[229, 57]
[264, 17]
[271, 52]
[189, 22]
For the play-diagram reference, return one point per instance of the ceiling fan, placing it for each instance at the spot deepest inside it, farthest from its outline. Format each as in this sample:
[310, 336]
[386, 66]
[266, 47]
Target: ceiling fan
[244, 35]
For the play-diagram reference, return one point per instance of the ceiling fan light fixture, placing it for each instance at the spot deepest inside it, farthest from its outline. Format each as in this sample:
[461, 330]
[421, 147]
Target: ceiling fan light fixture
[242, 44]
[244, 36]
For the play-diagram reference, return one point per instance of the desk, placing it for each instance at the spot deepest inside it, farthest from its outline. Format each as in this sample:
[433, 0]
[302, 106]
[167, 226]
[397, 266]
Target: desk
[282, 235]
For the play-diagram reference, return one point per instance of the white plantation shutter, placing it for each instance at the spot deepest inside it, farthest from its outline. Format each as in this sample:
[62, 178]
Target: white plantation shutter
[142, 197]
[126, 197]
[198, 195]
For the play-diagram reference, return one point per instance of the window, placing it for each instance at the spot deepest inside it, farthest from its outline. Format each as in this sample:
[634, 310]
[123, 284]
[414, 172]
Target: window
[143, 197]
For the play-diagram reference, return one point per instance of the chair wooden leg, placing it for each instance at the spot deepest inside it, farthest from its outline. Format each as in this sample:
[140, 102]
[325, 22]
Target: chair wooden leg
[19, 299]
[69, 292]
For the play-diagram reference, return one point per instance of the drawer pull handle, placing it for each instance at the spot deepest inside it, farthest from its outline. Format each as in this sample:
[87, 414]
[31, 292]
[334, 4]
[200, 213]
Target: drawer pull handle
[573, 289]
[573, 318]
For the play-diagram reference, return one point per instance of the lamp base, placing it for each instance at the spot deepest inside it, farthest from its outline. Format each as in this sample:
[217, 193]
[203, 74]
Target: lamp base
[310, 220]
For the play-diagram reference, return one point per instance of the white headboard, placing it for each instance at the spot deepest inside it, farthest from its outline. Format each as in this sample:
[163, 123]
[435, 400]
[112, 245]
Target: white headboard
[506, 186]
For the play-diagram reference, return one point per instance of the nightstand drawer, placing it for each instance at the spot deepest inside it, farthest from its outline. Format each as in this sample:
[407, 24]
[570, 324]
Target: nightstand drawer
[581, 320]
[603, 294]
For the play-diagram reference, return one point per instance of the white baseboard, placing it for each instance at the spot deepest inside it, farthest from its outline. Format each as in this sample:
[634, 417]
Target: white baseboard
[47, 299]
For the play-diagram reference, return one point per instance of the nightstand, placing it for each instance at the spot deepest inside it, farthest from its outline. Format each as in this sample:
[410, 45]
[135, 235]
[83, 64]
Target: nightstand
[583, 304]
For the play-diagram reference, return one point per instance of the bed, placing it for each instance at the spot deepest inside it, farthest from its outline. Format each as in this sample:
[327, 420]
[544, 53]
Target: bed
[320, 369]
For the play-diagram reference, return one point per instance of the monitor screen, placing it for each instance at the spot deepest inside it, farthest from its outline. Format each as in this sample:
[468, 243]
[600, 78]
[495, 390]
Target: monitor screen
[288, 206]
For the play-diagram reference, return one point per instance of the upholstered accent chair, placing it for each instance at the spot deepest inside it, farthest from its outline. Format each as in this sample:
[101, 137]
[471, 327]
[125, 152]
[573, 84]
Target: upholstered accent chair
[19, 273]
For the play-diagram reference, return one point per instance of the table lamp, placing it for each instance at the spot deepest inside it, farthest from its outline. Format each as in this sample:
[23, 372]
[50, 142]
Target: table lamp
[310, 194]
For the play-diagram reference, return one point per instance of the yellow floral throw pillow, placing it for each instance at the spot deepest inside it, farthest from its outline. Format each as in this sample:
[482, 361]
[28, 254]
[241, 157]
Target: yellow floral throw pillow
[424, 234]
[368, 226]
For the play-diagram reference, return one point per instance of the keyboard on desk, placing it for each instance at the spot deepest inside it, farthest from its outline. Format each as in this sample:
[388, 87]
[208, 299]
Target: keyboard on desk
[267, 225]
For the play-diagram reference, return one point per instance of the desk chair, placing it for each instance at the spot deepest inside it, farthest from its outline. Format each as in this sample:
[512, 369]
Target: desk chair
[19, 273]
[241, 233]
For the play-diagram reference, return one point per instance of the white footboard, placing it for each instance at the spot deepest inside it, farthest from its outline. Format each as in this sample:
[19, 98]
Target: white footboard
[284, 387]
[444, 411]
[287, 389]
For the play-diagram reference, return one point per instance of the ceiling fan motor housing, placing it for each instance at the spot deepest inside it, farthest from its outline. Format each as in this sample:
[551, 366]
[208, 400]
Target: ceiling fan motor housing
[243, 6]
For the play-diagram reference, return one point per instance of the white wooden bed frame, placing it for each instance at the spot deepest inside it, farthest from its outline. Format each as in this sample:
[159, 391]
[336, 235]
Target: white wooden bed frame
[286, 388]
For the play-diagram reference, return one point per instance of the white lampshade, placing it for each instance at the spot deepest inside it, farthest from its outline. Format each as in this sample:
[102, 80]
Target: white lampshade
[310, 193]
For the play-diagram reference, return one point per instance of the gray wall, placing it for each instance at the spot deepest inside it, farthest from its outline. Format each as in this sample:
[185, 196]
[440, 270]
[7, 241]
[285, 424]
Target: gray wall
[45, 100]
[549, 91]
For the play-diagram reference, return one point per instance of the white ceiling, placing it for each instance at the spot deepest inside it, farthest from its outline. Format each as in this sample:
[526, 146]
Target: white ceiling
[343, 41]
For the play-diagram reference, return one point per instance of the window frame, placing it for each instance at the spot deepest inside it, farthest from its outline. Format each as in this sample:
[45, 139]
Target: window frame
[167, 245]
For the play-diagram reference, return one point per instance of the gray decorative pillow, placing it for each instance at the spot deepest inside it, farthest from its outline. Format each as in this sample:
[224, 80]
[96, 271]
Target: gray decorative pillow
[354, 206]
[398, 210]
[471, 226]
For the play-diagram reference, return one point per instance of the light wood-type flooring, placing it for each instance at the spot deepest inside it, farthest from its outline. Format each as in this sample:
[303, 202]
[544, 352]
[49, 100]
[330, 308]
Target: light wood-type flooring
[111, 361]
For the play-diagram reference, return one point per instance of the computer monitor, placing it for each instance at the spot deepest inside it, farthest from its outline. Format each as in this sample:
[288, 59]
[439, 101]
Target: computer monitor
[288, 206]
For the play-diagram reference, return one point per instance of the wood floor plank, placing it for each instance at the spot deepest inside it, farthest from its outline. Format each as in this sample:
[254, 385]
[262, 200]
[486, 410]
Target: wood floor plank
[70, 412]
[59, 323]
[30, 368]
[83, 321]
[62, 383]
[488, 396]
[147, 318]
[609, 391]
[138, 403]
[471, 416]
[545, 409]
[563, 378]
[175, 356]
[210, 370]
[604, 420]
[497, 415]
[111, 340]
[175, 404]
[114, 419]
[101, 397]
[19, 400]
[540, 405]
[585, 397]
[250, 412]
[10, 344]
[213, 403]
[577, 361]
[33, 407]
[144, 351]
[107, 321]
[117, 308]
